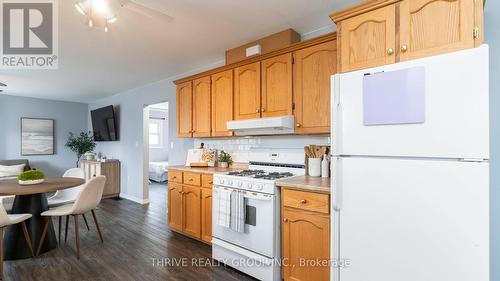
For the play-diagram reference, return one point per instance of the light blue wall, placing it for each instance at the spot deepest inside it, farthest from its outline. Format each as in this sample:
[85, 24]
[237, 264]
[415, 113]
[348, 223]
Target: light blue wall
[492, 29]
[129, 149]
[68, 116]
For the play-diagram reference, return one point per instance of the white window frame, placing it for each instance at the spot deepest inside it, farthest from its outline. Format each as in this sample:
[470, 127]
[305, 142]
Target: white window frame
[160, 124]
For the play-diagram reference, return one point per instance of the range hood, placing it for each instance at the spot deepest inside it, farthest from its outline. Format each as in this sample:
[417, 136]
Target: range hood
[282, 125]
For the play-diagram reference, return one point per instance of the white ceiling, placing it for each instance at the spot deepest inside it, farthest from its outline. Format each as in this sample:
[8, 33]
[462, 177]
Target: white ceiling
[139, 50]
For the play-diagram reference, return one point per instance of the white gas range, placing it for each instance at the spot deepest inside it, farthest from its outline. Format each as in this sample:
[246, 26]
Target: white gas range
[257, 250]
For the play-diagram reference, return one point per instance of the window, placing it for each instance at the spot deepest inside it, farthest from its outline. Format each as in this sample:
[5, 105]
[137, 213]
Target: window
[155, 133]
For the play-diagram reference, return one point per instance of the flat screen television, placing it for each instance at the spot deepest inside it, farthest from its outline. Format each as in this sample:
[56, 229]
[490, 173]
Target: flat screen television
[104, 124]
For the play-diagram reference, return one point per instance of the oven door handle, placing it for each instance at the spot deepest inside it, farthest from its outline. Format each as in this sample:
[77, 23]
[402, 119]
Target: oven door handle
[248, 194]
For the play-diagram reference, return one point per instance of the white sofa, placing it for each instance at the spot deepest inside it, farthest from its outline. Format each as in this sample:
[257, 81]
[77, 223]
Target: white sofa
[7, 201]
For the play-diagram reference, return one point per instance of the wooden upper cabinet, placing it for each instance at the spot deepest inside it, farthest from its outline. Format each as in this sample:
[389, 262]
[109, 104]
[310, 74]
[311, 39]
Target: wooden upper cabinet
[431, 27]
[185, 110]
[368, 39]
[313, 69]
[381, 32]
[222, 102]
[277, 86]
[202, 126]
[247, 92]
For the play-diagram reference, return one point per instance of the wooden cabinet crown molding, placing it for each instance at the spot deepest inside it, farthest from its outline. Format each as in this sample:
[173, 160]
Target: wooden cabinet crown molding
[297, 46]
[361, 9]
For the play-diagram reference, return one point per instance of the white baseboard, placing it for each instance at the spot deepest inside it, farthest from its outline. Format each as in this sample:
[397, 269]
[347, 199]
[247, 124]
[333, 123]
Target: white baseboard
[134, 199]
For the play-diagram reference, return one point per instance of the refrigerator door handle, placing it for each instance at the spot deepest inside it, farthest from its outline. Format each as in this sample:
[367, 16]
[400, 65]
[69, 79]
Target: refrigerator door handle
[337, 183]
[336, 115]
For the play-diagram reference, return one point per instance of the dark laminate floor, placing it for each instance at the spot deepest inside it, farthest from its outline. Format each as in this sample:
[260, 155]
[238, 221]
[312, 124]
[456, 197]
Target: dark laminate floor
[133, 236]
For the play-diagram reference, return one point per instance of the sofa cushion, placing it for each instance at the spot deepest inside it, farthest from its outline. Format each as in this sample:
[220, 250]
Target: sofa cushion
[11, 171]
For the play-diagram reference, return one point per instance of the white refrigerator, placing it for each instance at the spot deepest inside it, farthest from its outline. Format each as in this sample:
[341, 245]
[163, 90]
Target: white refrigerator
[410, 170]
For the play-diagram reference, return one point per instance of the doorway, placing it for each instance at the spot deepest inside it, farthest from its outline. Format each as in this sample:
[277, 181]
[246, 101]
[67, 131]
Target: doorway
[156, 149]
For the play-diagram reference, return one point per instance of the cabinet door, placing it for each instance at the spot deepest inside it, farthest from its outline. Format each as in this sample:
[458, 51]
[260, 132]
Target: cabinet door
[192, 202]
[277, 86]
[206, 215]
[247, 91]
[222, 102]
[184, 110]
[431, 27]
[175, 206]
[368, 40]
[202, 125]
[305, 236]
[313, 69]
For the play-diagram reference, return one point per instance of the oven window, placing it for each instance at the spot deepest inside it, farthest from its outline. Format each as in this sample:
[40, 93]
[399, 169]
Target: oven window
[251, 215]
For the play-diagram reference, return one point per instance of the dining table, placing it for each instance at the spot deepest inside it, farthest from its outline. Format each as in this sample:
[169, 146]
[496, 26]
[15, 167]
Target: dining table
[31, 199]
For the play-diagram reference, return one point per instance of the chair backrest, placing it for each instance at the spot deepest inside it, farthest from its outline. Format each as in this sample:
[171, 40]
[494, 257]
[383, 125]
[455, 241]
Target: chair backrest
[71, 193]
[4, 219]
[74, 173]
[90, 195]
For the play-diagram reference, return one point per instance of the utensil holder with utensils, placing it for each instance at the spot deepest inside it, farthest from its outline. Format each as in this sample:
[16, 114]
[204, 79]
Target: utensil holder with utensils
[313, 156]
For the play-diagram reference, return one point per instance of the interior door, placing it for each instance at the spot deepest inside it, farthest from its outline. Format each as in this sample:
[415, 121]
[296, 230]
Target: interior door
[412, 220]
[277, 86]
[247, 91]
[456, 109]
[202, 102]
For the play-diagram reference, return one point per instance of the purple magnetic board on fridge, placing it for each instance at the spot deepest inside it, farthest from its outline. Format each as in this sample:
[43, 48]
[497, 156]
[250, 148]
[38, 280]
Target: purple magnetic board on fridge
[395, 97]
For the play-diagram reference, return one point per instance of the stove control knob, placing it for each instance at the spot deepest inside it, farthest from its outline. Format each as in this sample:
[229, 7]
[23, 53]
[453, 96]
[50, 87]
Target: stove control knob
[230, 182]
[240, 184]
[221, 181]
[260, 187]
[249, 186]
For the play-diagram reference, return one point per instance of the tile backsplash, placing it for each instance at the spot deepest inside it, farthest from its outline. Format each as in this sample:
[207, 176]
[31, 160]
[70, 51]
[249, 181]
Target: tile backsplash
[239, 147]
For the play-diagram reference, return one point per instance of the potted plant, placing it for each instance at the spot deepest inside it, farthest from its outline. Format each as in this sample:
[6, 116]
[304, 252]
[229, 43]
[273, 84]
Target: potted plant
[224, 159]
[31, 177]
[81, 144]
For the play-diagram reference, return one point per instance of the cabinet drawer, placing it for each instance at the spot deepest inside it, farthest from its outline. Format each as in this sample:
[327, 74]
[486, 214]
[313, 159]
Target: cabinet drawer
[207, 181]
[192, 179]
[175, 176]
[308, 201]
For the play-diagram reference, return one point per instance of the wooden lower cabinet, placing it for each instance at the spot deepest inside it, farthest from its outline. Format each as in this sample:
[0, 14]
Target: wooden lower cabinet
[110, 169]
[192, 202]
[305, 238]
[206, 215]
[175, 199]
[190, 206]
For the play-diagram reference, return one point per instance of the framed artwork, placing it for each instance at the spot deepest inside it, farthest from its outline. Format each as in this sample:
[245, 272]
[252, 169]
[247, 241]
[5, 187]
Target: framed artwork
[37, 136]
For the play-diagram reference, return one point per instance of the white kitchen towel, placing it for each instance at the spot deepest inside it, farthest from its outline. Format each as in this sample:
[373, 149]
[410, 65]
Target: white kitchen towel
[224, 210]
[238, 211]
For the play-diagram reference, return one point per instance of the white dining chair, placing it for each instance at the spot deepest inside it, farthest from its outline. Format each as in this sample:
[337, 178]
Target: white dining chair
[86, 201]
[6, 220]
[66, 196]
[7, 202]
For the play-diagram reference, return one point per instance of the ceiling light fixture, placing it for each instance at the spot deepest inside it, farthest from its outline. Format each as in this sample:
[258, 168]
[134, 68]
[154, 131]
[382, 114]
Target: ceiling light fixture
[79, 8]
[98, 13]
